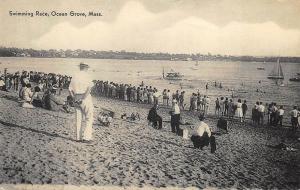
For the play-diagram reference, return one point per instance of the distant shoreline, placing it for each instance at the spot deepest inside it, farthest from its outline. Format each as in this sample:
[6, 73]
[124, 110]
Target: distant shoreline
[123, 55]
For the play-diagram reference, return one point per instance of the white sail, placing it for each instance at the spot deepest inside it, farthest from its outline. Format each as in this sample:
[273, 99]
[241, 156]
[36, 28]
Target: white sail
[280, 72]
[277, 72]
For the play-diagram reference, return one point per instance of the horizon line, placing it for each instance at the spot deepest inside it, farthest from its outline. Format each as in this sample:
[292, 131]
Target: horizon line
[125, 51]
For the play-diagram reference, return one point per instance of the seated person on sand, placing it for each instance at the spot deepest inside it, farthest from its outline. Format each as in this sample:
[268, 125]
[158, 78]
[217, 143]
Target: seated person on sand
[154, 118]
[37, 97]
[27, 96]
[51, 101]
[222, 124]
[2, 84]
[201, 136]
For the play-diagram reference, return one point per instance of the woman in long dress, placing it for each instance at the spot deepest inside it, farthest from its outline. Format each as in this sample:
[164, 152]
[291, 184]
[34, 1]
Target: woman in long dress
[239, 110]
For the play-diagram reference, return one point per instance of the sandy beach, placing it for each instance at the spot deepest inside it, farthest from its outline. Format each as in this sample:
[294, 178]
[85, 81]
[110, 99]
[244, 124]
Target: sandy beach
[37, 147]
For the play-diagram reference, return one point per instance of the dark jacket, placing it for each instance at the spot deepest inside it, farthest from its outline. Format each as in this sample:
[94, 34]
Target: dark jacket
[152, 114]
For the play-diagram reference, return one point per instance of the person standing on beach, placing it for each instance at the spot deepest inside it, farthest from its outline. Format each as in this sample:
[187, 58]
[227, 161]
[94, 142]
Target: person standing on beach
[165, 97]
[280, 115]
[206, 104]
[244, 109]
[175, 117]
[239, 110]
[169, 97]
[273, 116]
[222, 105]
[181, 100]
[218, 107]
[261, 113]
[80, 89]
[226, 102]
[294, 117]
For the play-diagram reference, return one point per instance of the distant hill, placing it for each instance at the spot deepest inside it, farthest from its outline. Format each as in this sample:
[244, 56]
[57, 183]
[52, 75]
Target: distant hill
[92, 54]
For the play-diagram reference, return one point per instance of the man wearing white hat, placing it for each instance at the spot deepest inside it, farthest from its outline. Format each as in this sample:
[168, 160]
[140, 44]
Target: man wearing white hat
[80, 89]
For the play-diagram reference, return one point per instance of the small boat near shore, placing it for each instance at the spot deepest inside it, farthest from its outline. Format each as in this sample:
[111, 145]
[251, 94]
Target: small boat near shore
[295, 79]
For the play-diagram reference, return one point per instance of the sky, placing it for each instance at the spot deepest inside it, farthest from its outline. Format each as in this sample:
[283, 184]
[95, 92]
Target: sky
[227, 27]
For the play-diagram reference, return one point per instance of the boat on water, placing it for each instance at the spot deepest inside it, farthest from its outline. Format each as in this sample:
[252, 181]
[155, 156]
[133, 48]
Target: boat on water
[84, 65]
[172, 75]
[277, 72]
[295, 79]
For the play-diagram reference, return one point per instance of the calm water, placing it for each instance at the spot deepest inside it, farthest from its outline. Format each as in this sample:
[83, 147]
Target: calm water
[241, 77]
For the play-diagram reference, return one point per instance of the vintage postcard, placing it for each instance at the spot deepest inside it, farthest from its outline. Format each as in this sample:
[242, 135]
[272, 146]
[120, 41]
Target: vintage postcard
[148, 94]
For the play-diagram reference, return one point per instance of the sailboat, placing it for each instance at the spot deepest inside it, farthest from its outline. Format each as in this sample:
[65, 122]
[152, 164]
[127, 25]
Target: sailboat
[276, 72]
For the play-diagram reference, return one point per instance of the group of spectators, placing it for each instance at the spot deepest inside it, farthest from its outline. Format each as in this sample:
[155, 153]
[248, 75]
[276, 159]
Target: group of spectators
[37, 89]
[227, 107]
[127, 92]
[269, 114]
[149, 95]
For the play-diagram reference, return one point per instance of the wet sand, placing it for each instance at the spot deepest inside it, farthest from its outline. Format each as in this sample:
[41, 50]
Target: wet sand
[37, 147]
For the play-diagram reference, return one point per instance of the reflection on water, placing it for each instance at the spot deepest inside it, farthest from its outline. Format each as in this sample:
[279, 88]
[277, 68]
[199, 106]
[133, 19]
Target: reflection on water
[242, 77]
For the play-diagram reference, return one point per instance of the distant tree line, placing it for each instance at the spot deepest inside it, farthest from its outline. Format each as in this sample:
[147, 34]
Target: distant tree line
[92, 54]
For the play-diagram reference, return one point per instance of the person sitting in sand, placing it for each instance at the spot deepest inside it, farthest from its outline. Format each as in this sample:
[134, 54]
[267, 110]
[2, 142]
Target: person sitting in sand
[154, 118]
[201, 136]
[37, 98]
[51, 101]
[2, 84]
[222, 124]
[27, 93]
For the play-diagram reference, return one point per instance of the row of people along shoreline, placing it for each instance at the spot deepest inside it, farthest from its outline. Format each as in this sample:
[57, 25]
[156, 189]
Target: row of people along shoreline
[261, 114]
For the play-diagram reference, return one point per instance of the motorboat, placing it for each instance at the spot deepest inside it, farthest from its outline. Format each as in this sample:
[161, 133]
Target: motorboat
[172, 75]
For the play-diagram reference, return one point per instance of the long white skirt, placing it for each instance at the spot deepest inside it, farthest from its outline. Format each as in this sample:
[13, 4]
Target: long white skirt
[239, 112]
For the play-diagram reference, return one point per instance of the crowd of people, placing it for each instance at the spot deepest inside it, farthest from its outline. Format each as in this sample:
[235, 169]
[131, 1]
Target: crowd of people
[47, 88]
[262, 114]
[37, 89]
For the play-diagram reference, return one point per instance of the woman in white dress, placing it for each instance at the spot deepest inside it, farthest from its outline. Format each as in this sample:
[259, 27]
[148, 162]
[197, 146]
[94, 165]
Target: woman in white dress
[239, 110]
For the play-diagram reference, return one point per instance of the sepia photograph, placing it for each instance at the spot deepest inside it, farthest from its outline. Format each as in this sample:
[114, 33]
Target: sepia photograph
[149, 94]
